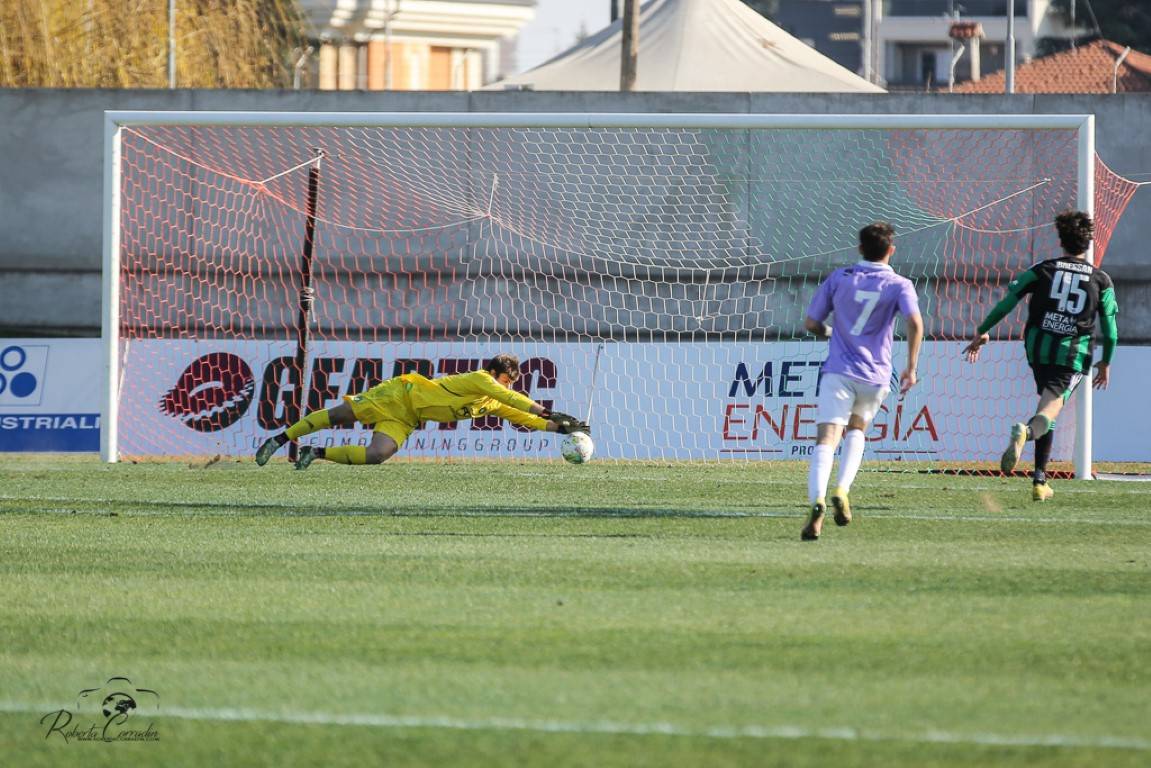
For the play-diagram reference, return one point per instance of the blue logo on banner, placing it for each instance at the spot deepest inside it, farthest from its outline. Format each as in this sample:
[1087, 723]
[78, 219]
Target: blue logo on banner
[23, 427]
[50, 432]
[22, 374]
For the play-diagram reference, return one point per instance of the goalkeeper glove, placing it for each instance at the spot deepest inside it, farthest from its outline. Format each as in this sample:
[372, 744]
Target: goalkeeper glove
[547, 413]
[566, 424]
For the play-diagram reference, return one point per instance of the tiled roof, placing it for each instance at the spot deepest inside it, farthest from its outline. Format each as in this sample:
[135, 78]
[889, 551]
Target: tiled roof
[1087, 69]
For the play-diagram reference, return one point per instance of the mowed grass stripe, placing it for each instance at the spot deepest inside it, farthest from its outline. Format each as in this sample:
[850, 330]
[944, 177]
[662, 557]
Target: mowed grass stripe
[902, 650]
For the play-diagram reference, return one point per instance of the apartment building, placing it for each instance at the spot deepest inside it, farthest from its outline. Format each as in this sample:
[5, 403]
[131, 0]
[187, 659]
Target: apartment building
[913, 44]
[410, 45]
[832, 27]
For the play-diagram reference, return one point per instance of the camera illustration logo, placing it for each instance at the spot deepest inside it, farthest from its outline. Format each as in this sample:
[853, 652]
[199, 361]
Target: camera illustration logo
[212, 393]
[103, 714]
[117, 697]
[22, 372]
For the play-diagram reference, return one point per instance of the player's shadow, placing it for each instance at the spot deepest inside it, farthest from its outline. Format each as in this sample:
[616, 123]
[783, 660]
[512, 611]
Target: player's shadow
[233, 509]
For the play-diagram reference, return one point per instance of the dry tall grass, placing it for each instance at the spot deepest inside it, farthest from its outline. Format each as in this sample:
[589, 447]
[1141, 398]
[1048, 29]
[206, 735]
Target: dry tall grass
[124, 43]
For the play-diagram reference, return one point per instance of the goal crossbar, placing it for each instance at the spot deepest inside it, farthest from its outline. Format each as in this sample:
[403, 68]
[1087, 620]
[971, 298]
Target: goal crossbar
[717, 121]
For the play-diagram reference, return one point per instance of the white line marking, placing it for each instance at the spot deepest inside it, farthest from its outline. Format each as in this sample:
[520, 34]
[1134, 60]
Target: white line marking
[1131, 478]
[627, 729]
[1065, 486]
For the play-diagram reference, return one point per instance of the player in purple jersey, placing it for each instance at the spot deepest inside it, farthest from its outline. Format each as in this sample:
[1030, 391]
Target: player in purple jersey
[862, 300]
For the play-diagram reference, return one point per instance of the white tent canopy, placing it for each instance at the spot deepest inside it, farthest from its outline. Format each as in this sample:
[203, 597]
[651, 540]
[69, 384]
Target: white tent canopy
[695, 45]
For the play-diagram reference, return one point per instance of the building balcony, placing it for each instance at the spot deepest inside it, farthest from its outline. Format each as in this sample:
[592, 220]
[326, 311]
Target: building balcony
[909, 29]
[965, 8]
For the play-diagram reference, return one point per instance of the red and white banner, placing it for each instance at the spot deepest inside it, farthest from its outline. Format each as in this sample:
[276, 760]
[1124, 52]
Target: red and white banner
[189, 397]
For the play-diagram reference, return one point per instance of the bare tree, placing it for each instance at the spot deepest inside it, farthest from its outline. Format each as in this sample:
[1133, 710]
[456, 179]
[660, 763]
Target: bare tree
[124, 43]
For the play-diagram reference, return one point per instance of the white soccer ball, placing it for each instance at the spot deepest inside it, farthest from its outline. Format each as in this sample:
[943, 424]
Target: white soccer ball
[577, 447]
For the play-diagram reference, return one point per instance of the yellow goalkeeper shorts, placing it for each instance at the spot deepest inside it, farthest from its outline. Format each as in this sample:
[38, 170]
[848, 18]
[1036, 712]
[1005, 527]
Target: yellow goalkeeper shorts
[385, 409]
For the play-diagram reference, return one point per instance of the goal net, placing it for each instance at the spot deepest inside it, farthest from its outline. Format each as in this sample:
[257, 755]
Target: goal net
[263, 265]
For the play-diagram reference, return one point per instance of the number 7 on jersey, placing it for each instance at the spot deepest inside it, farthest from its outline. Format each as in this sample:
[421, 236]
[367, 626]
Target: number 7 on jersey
[868, 299]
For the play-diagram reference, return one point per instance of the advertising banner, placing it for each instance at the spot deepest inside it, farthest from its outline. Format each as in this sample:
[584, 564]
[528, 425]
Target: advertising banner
[718, 400]
[50, 394]
[227, 397]
[650, 400]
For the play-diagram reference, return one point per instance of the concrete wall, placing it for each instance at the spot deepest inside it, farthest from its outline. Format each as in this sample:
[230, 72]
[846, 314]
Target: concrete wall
[51, 182]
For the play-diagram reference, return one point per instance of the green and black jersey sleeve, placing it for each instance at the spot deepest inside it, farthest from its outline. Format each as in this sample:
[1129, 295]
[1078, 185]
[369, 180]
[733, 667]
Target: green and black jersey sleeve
[1108, 310]
[1066, 295]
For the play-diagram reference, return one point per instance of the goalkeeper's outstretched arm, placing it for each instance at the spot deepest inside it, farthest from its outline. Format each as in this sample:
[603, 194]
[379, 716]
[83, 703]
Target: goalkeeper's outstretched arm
[514, 406]
[481, 383]
[552, 422]
[523, 418]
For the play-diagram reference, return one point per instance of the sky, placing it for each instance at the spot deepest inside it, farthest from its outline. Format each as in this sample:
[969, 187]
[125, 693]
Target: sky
[556, 26]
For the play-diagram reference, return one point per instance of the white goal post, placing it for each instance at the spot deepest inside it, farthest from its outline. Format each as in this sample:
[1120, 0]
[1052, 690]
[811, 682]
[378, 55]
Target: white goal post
[652, 232]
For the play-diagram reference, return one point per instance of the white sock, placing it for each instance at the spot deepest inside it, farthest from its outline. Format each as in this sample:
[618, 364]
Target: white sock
[850, 458]
[819, 472]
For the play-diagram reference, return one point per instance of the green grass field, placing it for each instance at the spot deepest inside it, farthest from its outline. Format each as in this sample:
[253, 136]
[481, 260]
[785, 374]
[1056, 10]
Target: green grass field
[541, 614]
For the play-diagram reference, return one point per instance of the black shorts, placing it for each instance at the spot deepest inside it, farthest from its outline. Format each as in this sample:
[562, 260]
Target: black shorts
[1056, 379]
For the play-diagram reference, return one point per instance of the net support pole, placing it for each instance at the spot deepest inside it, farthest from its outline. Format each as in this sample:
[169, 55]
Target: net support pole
[1084, 411]
[307, 297]
[110, 290]
[629, 43]
[1009, 81]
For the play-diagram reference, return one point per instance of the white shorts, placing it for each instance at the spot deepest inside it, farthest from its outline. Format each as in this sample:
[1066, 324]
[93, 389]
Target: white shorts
[840, 397]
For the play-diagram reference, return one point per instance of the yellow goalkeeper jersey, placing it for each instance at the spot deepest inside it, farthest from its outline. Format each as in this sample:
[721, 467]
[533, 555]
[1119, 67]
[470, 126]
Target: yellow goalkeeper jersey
[458, 397]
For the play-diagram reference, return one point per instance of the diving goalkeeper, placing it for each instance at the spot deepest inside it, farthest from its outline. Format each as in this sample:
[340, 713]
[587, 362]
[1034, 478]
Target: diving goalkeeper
[396, 407]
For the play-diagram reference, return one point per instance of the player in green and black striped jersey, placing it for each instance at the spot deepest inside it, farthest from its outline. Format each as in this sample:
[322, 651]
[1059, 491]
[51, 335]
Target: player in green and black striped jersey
[1066, 295]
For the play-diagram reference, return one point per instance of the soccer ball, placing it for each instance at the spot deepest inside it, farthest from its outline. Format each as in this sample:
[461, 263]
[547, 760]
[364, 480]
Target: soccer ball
[577, 447]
